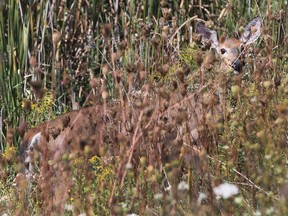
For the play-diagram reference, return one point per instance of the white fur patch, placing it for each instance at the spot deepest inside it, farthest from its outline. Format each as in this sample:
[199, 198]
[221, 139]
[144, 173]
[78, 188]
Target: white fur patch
[27, 159]
[35, 140]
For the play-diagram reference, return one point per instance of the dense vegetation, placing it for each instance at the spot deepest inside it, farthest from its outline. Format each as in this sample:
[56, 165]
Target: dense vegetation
[56, 56]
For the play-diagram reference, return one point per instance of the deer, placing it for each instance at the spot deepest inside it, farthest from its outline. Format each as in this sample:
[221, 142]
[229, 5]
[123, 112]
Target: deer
[49, 141]
[231, 50]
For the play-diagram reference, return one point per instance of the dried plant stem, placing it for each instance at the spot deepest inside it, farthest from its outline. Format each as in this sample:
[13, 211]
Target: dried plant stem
[132, 147]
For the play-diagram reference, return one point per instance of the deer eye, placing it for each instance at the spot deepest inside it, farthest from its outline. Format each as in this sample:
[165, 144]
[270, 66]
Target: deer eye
[223, 51]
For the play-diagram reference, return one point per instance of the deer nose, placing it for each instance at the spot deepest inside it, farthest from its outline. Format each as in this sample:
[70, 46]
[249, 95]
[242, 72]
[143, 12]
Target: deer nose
[237, 66]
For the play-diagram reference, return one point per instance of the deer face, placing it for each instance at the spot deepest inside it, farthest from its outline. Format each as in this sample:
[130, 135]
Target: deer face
[232, 50]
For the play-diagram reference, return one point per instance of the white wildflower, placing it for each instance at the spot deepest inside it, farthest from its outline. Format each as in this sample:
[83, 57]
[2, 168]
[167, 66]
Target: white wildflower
[201, 197]
[257, 213]
[158, 196]
[239, 200]
[129, 166]
[226, 190]
[183, 186]
[167, 188]
[270, 211]
[68, 207]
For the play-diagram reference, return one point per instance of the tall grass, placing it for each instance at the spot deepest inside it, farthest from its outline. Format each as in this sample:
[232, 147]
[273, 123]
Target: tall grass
[60, 55]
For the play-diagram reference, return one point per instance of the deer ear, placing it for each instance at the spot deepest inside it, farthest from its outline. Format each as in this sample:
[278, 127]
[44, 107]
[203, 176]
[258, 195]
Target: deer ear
[252, 31]
[208, 35]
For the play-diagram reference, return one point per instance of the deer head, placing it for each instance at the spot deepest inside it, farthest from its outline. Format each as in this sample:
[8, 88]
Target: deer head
[232, 50]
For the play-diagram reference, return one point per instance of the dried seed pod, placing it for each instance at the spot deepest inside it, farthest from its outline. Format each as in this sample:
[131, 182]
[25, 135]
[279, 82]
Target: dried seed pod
[165, 29]
[166, 58]
[198, 58]
[277, 80]
[163, 3]
[174, 22]
[119, 54]
[165, 69]
[119, 76]
[105, 70]
[209, 60]
[130, 67]
[186, 69]
[182, 89]
[36, 85]
[130, 78]
[156, 40]
[66, 79]
[40, 94]
[123, 45]
[105, 94]
[180, 75]
[174, 85]
[27, 105]
[33, 61]
[21, 182]
[140, 66]
[106, 30]
[167, 13]
[145, 31]
[182, 12]
[56, 37]
[94, 82]
[10, 136]
[196, 38]
[142, 75]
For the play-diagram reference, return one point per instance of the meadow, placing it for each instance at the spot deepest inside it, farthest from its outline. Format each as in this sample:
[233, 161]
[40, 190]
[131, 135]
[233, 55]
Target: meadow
[145, 63]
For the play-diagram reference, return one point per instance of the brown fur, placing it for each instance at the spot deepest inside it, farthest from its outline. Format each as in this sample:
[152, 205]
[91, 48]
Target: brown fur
[66, 134]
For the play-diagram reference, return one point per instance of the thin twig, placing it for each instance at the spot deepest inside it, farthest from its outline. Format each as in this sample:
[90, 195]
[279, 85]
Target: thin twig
[134, 142]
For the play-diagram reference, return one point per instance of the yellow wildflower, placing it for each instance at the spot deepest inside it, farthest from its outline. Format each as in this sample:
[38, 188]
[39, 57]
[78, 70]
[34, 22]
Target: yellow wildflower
[10, 153]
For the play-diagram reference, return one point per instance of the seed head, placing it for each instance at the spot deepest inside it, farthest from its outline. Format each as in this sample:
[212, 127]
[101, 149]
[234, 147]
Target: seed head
[198, 58]
[130, 68]
[142, 75]
[27, 105]
[106, 30]
[165, 69]
[196, 38]
[105, 70]
[33, 61]
[36, 85]
[10, 136]
[123, 45]
[155, 40]
[56, 37]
